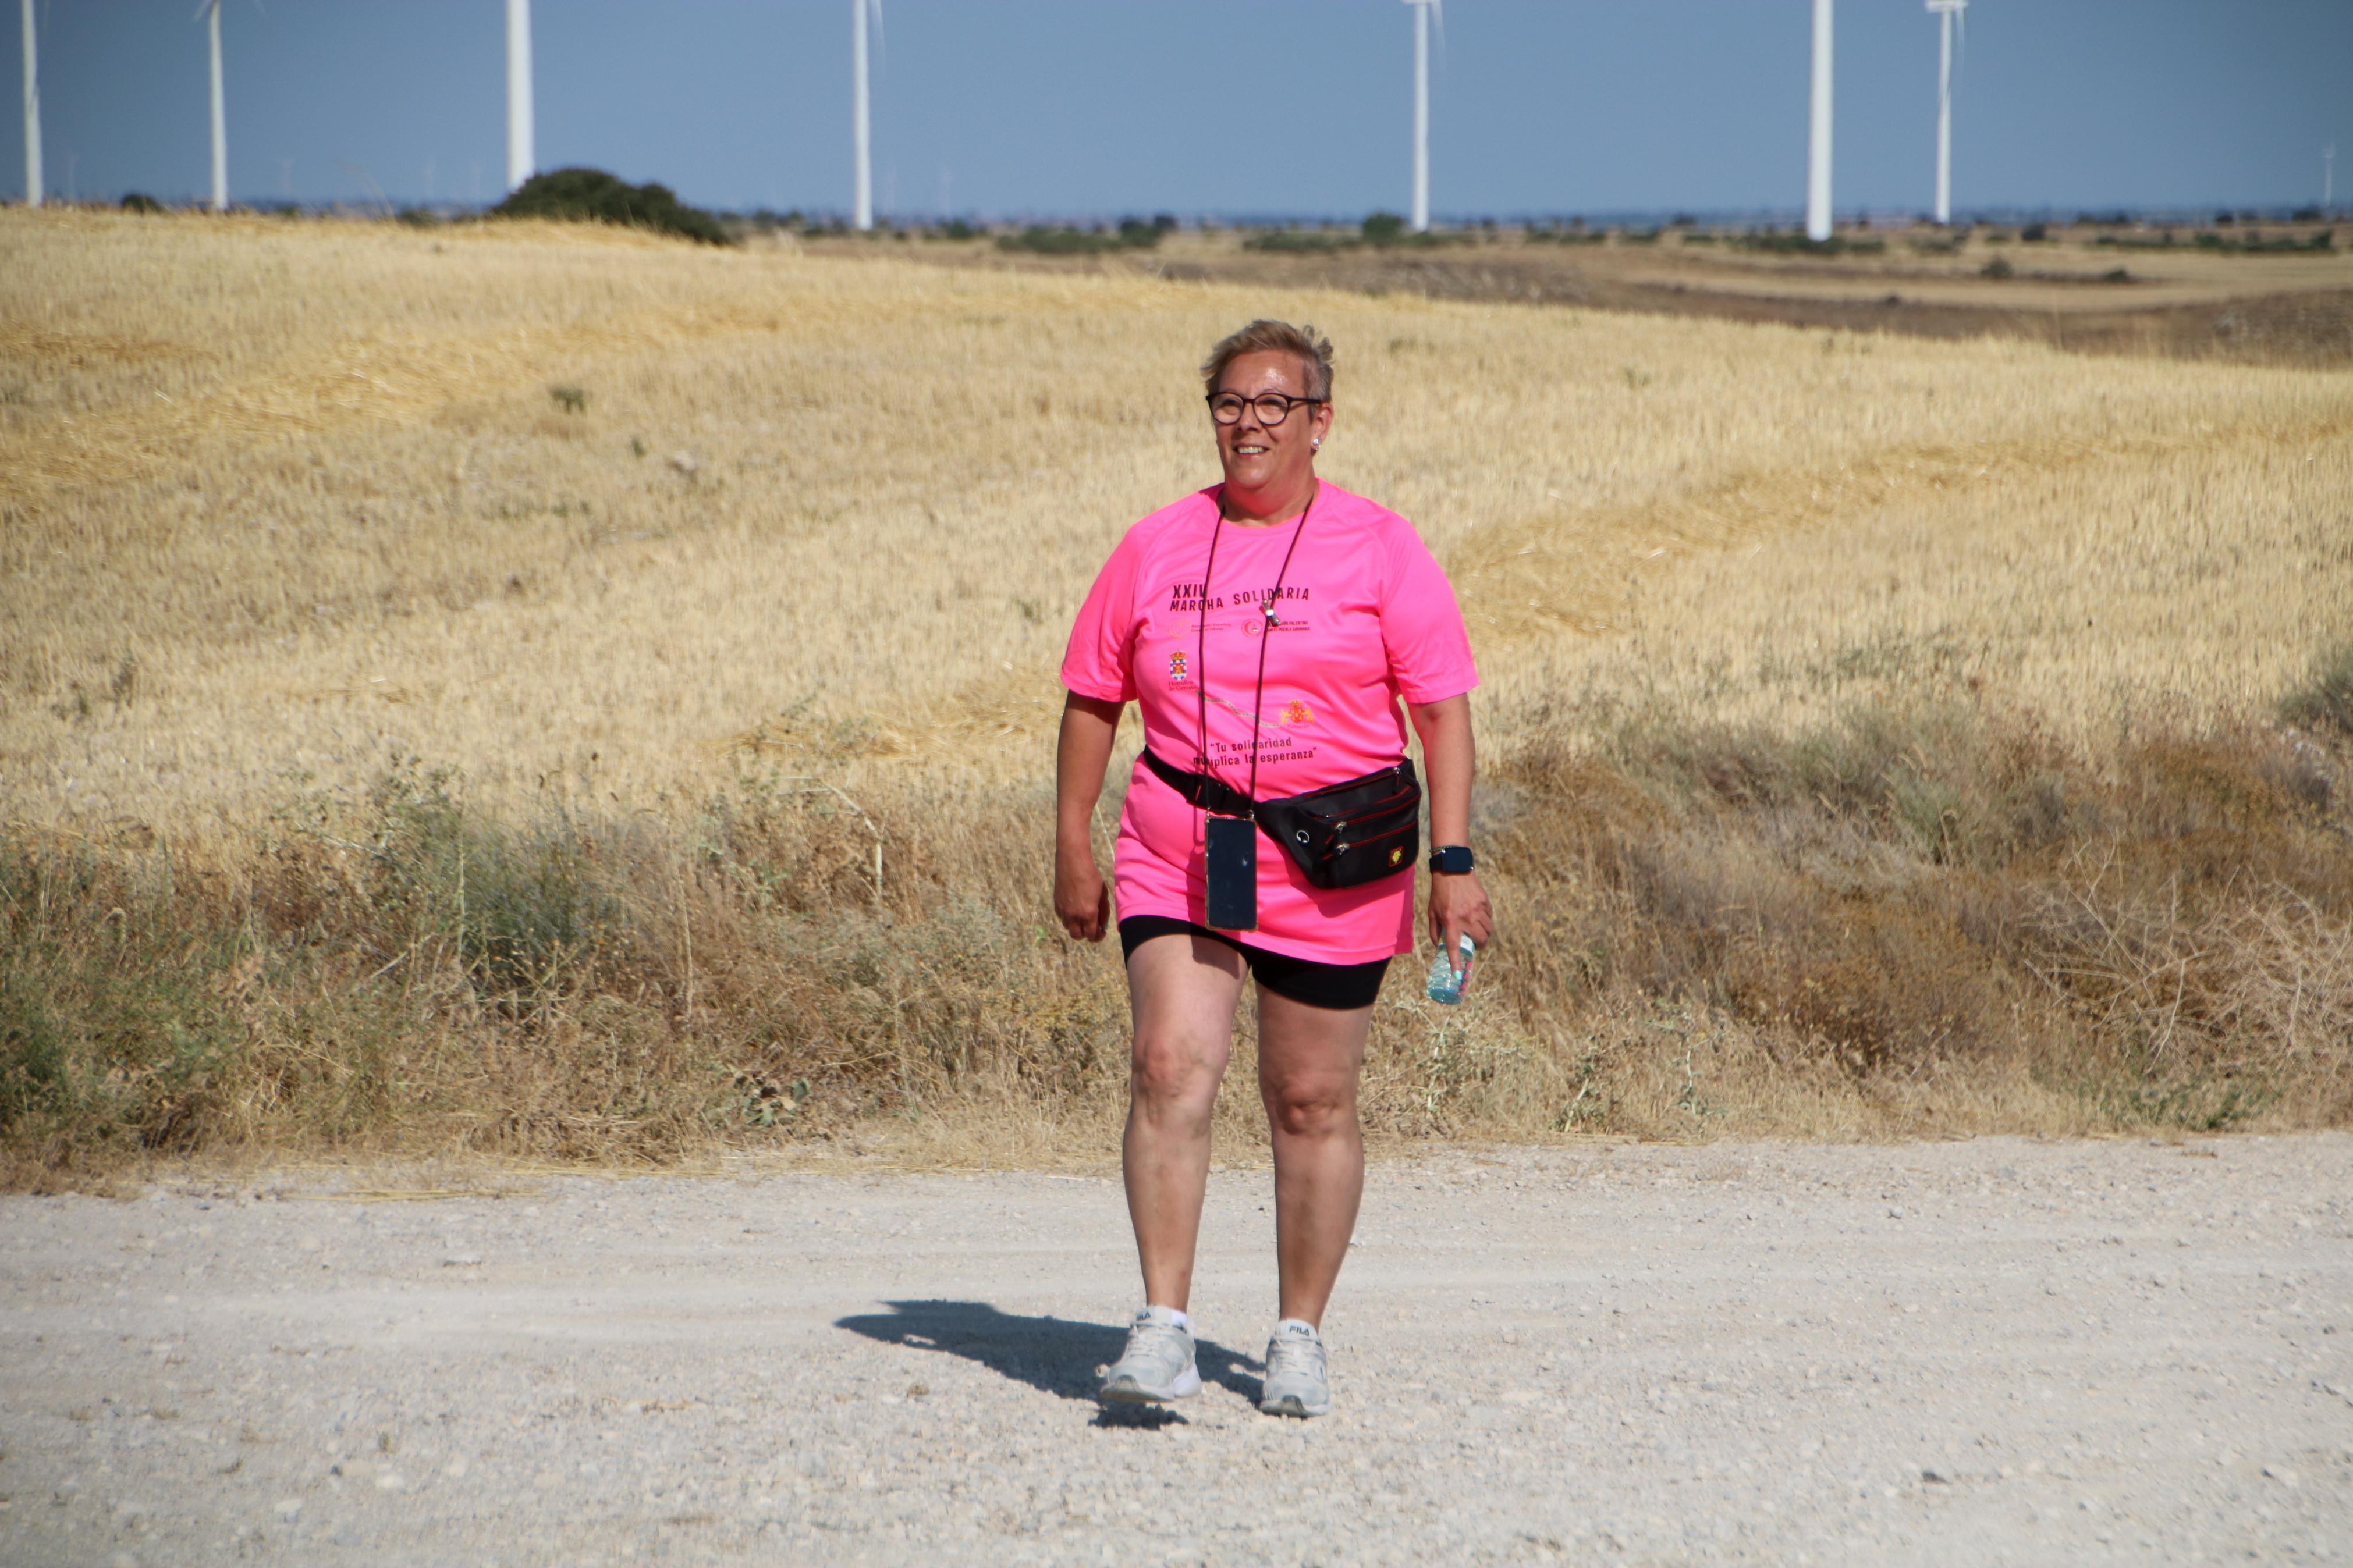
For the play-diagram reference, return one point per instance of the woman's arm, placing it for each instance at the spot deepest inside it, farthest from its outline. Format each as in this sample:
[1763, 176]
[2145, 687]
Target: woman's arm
[1082, 901]
[1458, 905]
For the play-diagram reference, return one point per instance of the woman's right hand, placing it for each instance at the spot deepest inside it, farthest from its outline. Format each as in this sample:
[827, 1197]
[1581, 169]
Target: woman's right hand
[1081, 901]
[1081, 751]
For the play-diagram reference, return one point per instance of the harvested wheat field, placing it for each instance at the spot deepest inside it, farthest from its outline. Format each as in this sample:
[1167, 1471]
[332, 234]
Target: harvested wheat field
[560, 695]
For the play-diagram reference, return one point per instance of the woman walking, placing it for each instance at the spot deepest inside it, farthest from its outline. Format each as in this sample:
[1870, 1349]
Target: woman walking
[1268, 627]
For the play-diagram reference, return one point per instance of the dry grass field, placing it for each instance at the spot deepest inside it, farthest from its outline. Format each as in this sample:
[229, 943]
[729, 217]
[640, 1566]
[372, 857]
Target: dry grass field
[559, 694]
[2184, 294]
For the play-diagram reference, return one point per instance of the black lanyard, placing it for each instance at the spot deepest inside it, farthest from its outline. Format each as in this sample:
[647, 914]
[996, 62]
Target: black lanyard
[1266, 633]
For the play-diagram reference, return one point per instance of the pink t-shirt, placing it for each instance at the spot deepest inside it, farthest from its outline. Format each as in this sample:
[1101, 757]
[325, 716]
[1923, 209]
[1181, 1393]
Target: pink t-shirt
[1365, 616]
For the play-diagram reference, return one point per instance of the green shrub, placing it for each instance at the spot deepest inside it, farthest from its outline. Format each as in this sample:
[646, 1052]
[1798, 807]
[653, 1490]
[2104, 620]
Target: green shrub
[2252, 243]
[592, 196]
[1998, 268]
[1383, 229]
[1299, 241]
[114, 1017]
[1132, 236]
[141, 202]
[1798, 244]
[517, 909]
[2325, 700]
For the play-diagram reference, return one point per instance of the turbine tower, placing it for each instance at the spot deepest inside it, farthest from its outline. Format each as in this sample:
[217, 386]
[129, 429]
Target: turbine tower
[861, 118]
[1948, 12]
[1422, 10]
[210, 11]
[2328, 153]
[1818, 138]
[522, 158]
[32, 116]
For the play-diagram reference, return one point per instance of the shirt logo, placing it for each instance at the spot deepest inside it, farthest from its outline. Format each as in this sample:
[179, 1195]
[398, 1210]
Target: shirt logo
[1296, 713]
[1178, 668]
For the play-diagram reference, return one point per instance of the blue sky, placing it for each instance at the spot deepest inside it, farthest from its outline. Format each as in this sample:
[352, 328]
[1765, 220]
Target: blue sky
[1232, 107]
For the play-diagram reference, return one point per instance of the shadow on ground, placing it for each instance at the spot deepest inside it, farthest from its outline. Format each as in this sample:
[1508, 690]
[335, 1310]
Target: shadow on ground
[1054, 1355]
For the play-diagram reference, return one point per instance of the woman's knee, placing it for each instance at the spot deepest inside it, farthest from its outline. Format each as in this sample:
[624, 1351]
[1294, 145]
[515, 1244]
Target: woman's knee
[1175, 1072]
[1310, 1108]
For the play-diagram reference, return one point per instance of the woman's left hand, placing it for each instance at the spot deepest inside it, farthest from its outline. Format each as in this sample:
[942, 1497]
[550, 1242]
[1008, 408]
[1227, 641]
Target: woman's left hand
[1458, 907]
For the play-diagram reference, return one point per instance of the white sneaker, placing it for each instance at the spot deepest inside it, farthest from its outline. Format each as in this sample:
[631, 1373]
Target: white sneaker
[1296, 1382]
[1158, 1363]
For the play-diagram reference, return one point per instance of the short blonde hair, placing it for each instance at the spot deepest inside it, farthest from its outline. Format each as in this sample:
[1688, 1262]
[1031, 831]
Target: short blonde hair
[1302, 344]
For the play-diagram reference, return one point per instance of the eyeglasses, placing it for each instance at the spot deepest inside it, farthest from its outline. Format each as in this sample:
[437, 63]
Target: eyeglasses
[1273, 407]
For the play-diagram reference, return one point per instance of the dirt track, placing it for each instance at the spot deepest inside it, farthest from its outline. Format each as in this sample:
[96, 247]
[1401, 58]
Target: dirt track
[1996, 1351]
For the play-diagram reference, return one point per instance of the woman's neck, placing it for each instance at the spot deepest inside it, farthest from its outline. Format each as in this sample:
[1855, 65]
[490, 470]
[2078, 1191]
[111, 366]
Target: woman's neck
[1264, 508]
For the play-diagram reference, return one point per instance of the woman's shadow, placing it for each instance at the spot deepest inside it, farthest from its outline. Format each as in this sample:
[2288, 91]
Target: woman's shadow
[1054, 1355]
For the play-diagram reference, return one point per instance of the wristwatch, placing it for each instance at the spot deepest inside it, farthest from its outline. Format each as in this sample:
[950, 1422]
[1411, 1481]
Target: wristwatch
[1452, 860]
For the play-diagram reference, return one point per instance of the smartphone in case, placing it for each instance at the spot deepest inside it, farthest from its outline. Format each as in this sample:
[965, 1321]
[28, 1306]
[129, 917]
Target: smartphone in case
[1232, 852]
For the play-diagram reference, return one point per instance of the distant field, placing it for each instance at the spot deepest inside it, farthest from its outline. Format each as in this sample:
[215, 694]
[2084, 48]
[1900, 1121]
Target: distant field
[2105, 290]
[454, 686]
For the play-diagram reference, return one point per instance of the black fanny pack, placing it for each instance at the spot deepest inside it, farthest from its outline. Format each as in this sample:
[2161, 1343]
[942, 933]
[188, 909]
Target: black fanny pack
[1342, 836]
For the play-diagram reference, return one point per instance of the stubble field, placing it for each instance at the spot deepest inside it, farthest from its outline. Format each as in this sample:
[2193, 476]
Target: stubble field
[563, 695]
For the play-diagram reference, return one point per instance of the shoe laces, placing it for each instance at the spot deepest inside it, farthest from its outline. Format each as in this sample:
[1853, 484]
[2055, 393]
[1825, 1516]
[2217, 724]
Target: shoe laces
[1150, 1336]
[1291, 1348]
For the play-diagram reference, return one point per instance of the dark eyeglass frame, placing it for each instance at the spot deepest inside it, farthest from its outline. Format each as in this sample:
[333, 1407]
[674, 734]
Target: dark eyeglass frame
[1284, 400]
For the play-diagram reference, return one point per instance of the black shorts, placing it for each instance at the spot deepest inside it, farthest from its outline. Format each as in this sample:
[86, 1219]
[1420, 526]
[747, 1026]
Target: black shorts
[1343, 987]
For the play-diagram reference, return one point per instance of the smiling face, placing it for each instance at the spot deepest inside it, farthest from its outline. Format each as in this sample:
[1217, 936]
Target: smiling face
[1270, 463]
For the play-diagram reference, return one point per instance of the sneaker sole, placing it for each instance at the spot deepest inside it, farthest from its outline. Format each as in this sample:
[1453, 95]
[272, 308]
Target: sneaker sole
[1292, 1404]
[1127, 1391]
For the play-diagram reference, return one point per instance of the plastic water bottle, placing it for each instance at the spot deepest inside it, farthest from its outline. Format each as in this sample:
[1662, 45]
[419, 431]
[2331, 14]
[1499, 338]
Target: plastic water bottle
[1448, 978]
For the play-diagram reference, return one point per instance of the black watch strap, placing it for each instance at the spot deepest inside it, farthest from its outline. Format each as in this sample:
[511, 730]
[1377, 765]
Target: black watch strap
[1452, 859]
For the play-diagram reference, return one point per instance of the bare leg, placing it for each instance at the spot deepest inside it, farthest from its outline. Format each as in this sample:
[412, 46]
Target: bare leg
[1181, 994]
[1308, 1061]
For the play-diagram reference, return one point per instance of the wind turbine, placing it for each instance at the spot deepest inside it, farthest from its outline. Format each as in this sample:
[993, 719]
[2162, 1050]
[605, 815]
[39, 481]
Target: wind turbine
[1421, 11]
[523, 159]
[208, 11]
[863, 127]
[1818, 138]
[32, 116]
[2328, 153]
[1948, 12]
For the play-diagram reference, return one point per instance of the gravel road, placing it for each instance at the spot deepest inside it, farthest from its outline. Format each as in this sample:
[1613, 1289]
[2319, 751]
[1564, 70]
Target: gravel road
[1956, 1353]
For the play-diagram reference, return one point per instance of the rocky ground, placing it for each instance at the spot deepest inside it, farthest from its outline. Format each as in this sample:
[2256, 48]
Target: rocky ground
[1958, 1353]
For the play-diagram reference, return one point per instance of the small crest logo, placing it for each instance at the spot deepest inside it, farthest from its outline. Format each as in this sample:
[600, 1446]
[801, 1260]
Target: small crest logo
[1395, 856]
[1297, 713]
[1178, 666]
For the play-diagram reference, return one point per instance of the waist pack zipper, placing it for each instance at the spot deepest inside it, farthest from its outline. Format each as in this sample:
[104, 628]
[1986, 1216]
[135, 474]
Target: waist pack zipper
[1348, 843]
[1369, 813]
